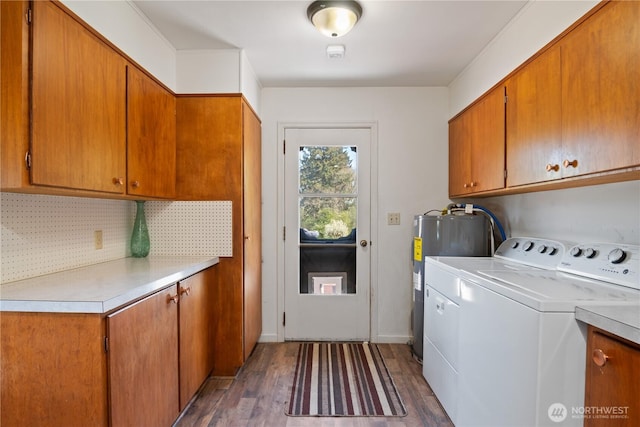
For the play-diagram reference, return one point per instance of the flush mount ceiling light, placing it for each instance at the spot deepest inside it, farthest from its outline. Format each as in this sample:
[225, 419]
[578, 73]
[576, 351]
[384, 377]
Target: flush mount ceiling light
[334, 18]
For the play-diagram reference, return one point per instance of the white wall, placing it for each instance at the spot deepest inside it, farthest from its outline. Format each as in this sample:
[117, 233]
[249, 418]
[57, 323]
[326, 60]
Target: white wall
[536, 24]
[605, 212]
[412, 178]
[122, 23]
[218, 71]
[185, 71]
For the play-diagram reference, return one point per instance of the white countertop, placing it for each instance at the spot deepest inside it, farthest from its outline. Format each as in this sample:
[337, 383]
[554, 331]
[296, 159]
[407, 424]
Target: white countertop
[99, 288]
[620, 320]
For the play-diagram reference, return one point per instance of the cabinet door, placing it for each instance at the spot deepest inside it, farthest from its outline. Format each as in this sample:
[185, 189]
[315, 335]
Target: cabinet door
[601, 89]
[14, 94]
[252, 178]
[533, 128]
[477, 146]
[78, 106]
[151, 127]
[459, 155]
[209, 144]
[143, 362]
[488, 142]
[54, 370]
[612, 382]
[196, 360]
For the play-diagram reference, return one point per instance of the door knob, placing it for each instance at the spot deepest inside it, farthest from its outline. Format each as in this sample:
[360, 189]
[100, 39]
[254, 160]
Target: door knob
[363, 243]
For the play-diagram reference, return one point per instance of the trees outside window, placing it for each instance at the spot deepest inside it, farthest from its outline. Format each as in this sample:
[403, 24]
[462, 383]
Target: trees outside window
[328, 189]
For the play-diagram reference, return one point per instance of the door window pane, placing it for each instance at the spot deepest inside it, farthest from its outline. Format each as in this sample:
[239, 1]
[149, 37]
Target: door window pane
[327, 216]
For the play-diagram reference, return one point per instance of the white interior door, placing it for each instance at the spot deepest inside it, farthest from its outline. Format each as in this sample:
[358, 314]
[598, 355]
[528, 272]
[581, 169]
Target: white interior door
[327, 233]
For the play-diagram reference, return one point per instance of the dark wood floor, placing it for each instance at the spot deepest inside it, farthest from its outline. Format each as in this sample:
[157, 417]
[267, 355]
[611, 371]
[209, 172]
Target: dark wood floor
[260, 391]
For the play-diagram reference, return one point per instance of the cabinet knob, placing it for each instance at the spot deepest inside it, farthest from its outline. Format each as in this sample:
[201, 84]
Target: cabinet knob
[185, 291]
[465, 185]
[174, 299]
[118, 181]
[572, 163]
[599, 358]
[551, 167]
[135, 184]
[473, 184]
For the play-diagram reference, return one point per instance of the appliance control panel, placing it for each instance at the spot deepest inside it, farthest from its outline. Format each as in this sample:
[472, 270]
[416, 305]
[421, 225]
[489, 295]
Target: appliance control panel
[536, 252]
[610, 262]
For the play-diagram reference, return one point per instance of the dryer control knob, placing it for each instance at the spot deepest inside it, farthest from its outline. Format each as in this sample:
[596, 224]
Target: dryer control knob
[542, 249]
[590, 252]
[528, 245]
[576, 251]
[617, 255]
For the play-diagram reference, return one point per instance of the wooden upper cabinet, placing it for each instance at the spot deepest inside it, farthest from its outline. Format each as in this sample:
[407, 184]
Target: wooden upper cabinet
[78, 106]
[477, 146]
[601, 89]
[534, 121]
[151, 141]
[209, 148]
[459, 155]
[14, 94]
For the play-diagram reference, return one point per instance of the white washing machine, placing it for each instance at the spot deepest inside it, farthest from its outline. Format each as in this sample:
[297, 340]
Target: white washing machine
[502, 344]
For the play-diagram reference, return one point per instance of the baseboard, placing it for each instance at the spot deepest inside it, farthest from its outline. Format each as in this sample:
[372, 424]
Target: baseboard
[268, 338]
[393, 339]
[382, 339]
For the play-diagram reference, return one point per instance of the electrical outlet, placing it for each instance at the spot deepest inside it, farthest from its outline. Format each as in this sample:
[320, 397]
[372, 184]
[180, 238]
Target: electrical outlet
[97, 239]
[393, 218]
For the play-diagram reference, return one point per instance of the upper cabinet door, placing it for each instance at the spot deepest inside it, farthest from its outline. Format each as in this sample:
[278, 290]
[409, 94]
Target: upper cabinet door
[534, 121]
[488, 142]
[459, 155]
[151, 147]
[476, 146]
[601, 91]
[78, 106]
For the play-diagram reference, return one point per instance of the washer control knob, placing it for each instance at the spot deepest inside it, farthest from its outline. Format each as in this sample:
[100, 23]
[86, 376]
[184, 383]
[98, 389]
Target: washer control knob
[590, 252]
[553, 251]
[528, 245]
[617, 255]
[576, 252]
[542, 249]
[515, 244]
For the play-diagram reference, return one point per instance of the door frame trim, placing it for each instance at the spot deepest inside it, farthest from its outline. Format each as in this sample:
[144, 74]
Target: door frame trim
[280, 268]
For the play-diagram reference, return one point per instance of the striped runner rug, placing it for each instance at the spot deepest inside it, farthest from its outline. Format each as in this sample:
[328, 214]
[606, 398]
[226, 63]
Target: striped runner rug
[343, 379]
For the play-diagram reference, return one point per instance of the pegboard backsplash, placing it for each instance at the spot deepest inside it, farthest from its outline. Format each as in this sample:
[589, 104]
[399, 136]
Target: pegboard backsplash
[46, 234]
[189, 228]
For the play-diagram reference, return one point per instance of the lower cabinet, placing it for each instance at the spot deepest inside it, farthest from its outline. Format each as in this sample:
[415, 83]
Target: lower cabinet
[195, 333]
[612, 382]
[139, 366]
[143, 361]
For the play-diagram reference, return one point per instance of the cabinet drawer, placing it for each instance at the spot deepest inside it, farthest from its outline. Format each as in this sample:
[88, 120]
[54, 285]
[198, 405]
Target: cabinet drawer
[441, 324]
[442, 379]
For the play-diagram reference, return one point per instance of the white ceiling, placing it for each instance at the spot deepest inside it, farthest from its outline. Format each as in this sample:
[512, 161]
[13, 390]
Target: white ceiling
[396, 42]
